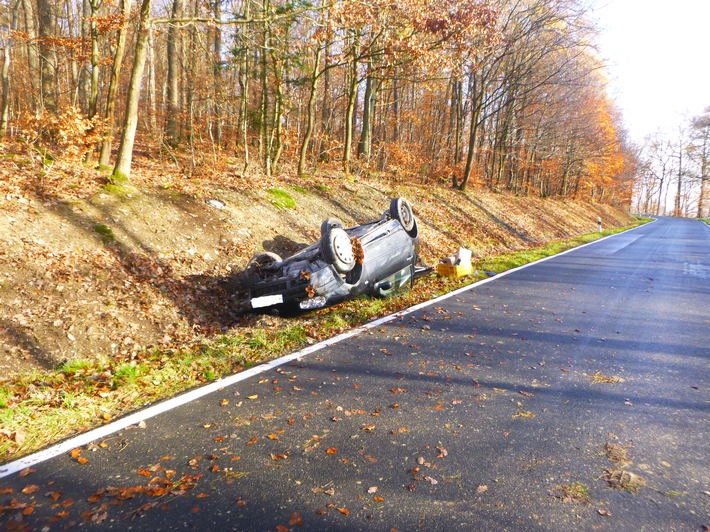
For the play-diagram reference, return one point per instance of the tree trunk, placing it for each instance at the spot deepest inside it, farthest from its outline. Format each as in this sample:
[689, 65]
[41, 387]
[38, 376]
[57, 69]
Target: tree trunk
[152, 98]
[7, 52]
[264, 109]
[476, 104]
[32, 54]
[323, 146]
[310, 114]
[48, 71]
[113, 85]
[172, 134]
[243, 55]
[364, 147]
[679, 192]
[94, 34]
[122, 171]
[217, 76]
[350, 110]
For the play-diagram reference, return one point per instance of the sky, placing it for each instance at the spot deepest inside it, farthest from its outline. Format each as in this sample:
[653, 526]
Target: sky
[658, 59]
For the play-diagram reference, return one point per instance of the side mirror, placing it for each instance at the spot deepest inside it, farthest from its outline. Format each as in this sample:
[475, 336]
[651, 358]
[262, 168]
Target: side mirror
[386, 285]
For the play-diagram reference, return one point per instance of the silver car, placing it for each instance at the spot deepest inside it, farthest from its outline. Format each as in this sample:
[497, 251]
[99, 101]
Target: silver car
[379, 258]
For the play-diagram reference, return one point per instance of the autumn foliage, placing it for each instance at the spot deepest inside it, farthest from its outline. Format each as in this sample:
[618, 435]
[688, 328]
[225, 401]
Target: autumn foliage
[504, 95]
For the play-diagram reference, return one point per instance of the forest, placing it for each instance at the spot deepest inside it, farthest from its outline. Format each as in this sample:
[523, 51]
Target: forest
[674, 176]
[506, 95]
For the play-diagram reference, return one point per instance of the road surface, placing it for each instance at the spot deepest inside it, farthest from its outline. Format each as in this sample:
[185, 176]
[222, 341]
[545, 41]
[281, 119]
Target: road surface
[570, 394]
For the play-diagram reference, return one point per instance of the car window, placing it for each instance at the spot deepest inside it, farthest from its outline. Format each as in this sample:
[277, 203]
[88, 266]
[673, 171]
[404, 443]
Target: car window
[397, 282]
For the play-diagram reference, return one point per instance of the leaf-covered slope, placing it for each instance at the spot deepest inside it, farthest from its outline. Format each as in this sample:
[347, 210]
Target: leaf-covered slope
[158, 266]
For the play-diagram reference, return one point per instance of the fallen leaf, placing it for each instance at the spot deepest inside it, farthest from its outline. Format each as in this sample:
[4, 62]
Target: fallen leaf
[296, 519]
[377, 499]
[481, 489]
[332, 450]
[371, 490]
[253, 440]
[368, 428]
[31, 488]
[344, 511]
[431, 480]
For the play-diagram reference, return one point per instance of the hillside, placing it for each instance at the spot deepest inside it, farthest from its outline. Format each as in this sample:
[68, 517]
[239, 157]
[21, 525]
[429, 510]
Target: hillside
[90, 272]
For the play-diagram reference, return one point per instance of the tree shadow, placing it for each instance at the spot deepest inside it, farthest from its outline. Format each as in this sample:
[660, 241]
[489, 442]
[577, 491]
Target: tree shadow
[283, 246]
[26, 343]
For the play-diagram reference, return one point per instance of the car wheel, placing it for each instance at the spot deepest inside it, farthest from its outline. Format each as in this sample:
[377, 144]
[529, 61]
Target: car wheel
[259, 260]
[401, 210]
[335, 246]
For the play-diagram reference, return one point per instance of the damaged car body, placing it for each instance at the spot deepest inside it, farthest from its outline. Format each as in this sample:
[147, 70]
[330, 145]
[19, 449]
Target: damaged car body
[379, 258]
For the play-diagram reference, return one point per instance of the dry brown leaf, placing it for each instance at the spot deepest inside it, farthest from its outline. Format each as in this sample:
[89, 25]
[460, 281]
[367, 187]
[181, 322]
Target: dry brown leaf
[296, 519]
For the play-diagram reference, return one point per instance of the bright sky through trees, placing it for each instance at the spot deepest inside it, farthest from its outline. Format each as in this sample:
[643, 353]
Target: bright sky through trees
[657, 55]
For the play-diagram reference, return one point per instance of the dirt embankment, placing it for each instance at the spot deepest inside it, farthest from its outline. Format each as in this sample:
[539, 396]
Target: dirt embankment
[115, 273]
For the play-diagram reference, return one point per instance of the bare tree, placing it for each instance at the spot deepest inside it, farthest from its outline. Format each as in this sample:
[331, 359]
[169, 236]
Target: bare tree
[48, 66]
[700, 128]
[113, 84]
[122, 170]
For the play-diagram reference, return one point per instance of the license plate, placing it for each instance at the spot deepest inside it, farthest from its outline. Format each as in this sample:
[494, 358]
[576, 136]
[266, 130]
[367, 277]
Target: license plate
[267, 301]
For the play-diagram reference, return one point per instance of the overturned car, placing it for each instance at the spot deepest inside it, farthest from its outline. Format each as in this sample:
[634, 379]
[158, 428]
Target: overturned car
[379, 258]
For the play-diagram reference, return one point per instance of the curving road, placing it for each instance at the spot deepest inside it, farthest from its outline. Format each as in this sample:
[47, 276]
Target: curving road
[570, 394]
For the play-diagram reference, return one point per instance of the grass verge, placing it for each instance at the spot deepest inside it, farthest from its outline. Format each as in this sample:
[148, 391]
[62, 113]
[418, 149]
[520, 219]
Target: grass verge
[39, 409]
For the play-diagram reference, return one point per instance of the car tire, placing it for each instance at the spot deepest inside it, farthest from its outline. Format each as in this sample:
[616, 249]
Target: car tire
[401, 210]
[335, 246]
[259, 260]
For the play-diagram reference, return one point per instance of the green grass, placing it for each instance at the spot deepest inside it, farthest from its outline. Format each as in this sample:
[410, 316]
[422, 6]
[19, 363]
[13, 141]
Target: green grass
[281, 198]
[107, 236]
[81, 394]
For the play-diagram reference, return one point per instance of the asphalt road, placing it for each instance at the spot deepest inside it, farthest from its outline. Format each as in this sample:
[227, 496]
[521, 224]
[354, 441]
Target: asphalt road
[571, 394]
